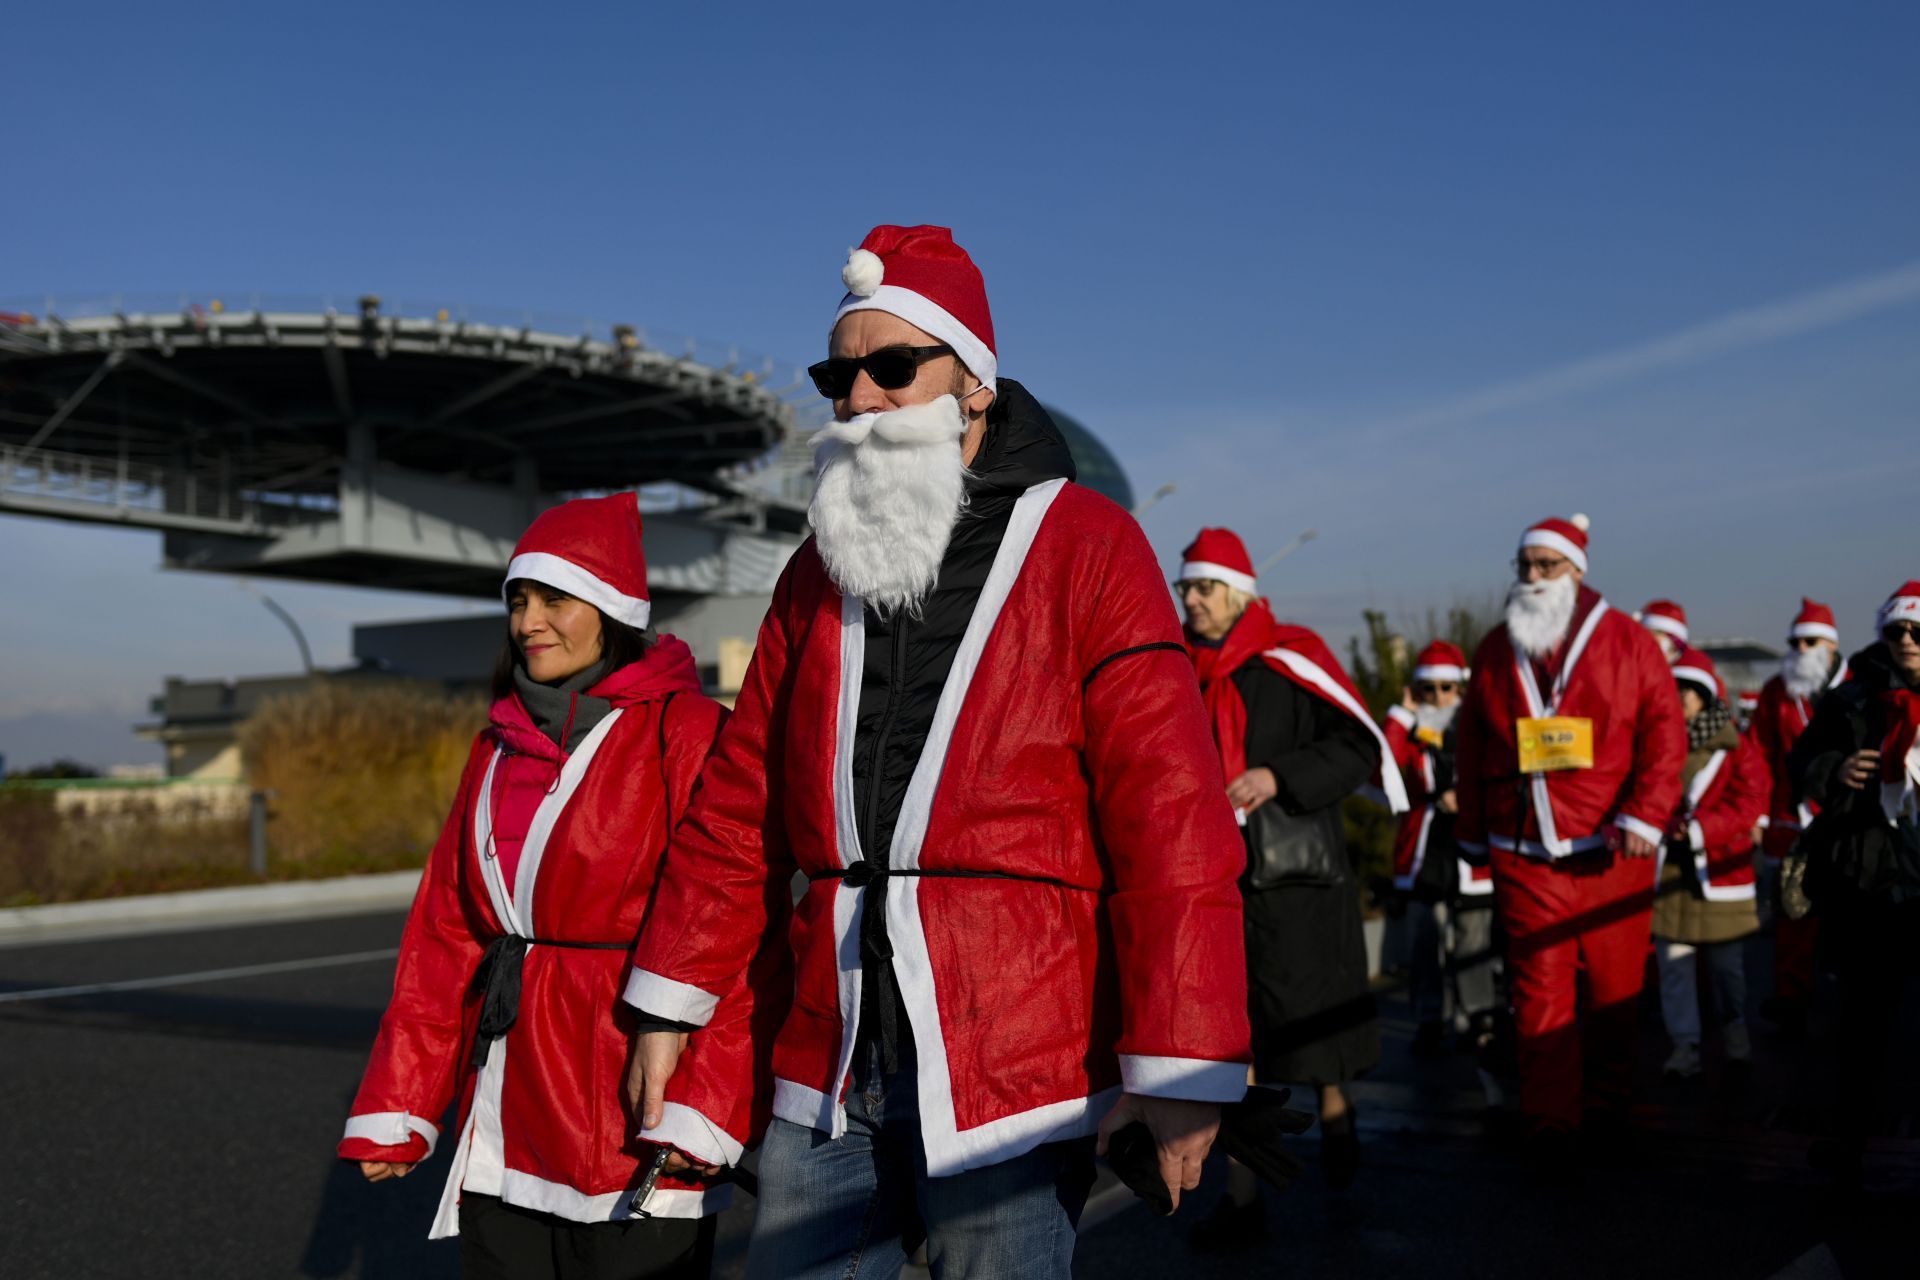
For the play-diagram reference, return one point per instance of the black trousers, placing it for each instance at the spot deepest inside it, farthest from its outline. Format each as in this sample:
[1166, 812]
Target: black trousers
[505, 1242]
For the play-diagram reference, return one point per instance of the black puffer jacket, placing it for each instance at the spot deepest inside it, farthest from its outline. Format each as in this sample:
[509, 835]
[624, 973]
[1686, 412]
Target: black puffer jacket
[1852, 849]
[908, 658]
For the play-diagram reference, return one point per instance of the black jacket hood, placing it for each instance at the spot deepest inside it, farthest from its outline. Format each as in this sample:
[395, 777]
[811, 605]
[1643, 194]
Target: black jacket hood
[1022, 446]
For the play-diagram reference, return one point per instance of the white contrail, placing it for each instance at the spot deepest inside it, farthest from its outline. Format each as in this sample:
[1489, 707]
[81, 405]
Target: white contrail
[1752, 327]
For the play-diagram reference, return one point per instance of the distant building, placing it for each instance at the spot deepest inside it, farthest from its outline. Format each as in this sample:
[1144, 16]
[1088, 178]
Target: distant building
[1099, 469]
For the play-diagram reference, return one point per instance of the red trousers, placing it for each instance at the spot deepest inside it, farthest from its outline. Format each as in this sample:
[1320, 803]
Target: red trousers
[1588, 916]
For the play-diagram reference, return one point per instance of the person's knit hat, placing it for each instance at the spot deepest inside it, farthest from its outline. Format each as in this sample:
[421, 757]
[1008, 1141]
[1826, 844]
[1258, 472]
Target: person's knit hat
[1220, 555]
[920, 275]
[1814, 619]
[1568, 537]
[1667, 618]
[1902, 606]
[1696, 668]
[590, 549]
[1441, 661]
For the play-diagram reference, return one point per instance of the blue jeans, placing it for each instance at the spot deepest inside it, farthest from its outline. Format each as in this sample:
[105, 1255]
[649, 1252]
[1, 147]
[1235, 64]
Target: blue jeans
[851, 1208]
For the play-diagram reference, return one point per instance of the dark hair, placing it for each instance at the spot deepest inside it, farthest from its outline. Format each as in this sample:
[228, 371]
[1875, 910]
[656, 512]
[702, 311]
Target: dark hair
[620, 645]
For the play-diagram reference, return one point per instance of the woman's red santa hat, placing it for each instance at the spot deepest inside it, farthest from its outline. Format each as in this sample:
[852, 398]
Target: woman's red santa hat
[1568, 537]
[1902, 606]
[1220, 555]
[920, 275]
[1667, 618]
[1814, 619]
[1696, 668]
[590, 549]
[1441, 661]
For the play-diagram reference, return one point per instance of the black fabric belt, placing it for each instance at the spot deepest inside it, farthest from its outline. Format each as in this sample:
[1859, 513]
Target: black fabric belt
[499, 980]
[876, 948]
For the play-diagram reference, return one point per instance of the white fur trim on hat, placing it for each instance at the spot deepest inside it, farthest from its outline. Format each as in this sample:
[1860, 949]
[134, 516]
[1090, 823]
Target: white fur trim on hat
[1193, 569]
[1697, 675]
[1818, 630]
[863, 273]
[1898, 609]
[1447, 672]
[1556, 542]
[542, 567]
[1661, 622]
[929, 316]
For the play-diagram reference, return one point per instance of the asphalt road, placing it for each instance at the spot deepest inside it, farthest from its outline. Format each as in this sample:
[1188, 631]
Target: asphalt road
[187, 1128]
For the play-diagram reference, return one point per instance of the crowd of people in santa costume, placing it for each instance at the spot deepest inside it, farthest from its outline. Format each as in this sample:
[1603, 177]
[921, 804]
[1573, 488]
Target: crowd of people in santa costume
[1003, 860]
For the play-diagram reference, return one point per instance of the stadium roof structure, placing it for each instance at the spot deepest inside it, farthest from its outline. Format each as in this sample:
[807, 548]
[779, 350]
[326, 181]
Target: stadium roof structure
[400, 447]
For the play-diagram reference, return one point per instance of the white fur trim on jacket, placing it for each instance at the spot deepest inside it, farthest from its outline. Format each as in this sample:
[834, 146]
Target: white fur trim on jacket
[1195, 1079]
[540, 566]
[392, 1129]
[935, 320]
[664, 998]
[687, 1129]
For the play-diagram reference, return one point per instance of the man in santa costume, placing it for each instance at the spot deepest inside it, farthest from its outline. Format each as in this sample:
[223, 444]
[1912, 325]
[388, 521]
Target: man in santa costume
[971, 725]
[1571, 742]
[1811, 666]
[1668, 622]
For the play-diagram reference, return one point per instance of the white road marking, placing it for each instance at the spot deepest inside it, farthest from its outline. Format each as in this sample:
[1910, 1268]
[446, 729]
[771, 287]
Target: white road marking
[204, 975]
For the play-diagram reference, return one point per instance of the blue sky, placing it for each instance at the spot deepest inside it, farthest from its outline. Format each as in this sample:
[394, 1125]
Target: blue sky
[1333, 266]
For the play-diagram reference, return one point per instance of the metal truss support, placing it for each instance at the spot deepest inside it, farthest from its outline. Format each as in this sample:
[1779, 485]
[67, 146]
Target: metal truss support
[74, 401]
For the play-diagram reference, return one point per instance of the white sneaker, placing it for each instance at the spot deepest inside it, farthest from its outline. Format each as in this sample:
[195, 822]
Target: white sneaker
[1738, 1045]
[1684, 1061]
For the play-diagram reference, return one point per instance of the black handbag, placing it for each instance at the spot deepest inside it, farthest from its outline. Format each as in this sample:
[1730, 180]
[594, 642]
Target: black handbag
[1295, 848]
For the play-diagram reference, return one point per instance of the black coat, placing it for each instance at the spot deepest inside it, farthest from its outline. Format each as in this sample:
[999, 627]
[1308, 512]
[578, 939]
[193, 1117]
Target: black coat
[1313, 1018]
[1852, 849]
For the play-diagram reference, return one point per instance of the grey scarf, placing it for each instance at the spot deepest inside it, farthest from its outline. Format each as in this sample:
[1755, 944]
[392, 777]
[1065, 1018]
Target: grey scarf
[564, 707]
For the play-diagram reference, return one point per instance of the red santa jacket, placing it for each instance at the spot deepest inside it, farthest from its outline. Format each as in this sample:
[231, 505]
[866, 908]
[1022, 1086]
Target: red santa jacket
[1718, 812]
[1068, 751]
[543, 1124]
[1612, 673]
[1418, 762]
[1777, 724]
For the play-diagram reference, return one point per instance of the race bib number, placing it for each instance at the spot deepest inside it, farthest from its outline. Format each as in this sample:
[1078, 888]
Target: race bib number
[1552, 743]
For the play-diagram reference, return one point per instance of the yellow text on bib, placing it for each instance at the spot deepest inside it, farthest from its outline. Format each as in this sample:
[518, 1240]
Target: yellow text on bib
[1552, 743]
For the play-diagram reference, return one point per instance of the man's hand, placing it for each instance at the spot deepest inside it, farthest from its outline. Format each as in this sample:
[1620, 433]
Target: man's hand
[1253, 788]
[650, 1065]
[1406, 698]
[1635, 845]
[1449, 801]
[1182, 1131]
[381, 1170]
[1858, 769]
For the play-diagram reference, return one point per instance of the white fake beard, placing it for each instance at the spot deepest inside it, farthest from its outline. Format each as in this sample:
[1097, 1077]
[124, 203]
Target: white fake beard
[1438, 719]
[889, 490]
[1669, 647]
[1806, 671]
[1538, 613]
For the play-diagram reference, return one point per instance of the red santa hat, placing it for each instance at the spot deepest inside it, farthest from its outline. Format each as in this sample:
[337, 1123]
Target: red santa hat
[1695, 667]
[1568, 537]
[1667, 617]
[1218, 554]
[590, 549]
[922, 276]
[1902, 606]
[1441, 661]
[1814, 619]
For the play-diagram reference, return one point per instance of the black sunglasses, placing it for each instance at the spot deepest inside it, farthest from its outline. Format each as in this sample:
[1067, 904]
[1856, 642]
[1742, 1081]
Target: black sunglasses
[1894, 631]
[891, 368]
[1804, 642]
[1434, 688]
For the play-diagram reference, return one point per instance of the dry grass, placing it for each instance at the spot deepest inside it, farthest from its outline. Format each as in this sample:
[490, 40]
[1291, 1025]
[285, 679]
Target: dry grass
[138, 845]
[362, 773]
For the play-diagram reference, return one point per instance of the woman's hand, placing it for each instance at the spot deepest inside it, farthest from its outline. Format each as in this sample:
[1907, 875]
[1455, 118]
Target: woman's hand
[381, 1170]
[1253, 788]
[1858, 769]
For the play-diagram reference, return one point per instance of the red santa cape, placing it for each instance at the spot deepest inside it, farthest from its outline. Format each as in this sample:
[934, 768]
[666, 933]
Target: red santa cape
[1303, 658]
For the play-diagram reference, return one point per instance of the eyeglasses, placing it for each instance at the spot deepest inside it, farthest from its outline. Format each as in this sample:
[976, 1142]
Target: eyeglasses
[1805, 642]
[891, 368]
[1434, 688]
[1201, 586]
[1545, 566]
[1894, 632]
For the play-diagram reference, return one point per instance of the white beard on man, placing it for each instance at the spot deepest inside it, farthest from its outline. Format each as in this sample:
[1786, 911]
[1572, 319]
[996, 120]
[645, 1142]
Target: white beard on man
[1438, 719]
[1805, 672]
[1538, 613]
[891, 485]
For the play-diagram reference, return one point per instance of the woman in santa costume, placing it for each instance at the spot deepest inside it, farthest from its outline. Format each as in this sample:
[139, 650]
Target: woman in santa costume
[1860, 762]
[1668, 622]
[1705, 903]
[1811, 667]
[506, 996]
[1450, 898]
[1295, 740]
